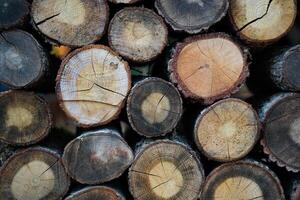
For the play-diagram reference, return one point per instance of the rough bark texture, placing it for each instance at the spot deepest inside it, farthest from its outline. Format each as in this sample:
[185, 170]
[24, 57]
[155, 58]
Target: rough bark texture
[208, 67]
[192, 16]
[154, 107]
[70, 22]
[25, 118]
[242, 180]
[262, 22]
[280, 118]
[165, 170]
[92, 85]
[5, 152]
[23, 61]
[34, 173]
[227, 130]
[137, 34]
[97, 157]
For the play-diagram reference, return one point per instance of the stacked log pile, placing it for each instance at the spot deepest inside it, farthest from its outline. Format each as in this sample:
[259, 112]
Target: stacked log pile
[149, 100]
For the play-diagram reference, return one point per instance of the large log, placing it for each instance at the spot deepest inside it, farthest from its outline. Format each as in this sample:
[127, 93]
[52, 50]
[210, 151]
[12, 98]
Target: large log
[137, 34]
[23, 60]
[165, 169]
[227, 130]
[25, 118]
[70, 22]
[208, 67]
[281, 141]
[97, 157]
[92, 85]
[192, 16]
[154, 107]
[261, 22]
[34, 173]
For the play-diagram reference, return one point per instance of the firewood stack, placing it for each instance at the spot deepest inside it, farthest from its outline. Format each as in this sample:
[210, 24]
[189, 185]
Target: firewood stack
[149, 100]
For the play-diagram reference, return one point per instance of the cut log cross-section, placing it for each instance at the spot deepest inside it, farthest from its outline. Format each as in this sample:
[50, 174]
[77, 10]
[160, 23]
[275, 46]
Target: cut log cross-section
[23, 61]
[97, 157]
[70, 22]
[208, 67]
[92, 85]
[137, 34]
[262, 21]
[165, 170]
[281, 126]
[242, 180]
[33, 174]
[96, 193]
[24, 118]
[192, 16]
[13, 13]
[227, 130]
[154, 107]
[124, 1]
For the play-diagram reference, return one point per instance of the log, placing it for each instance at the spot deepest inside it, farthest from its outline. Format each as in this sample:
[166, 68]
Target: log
[5, 152]
[92, 85]
[261, 22]
[137, 34]
[227, 130]
[25, 118]
[242, 180]
[154, 107]
[284, 70]
[124, 1]
[70, 22]
[295, 195]
[281, 130]
[215, 59]
[23, 61]
[165, 169]
[13, 13]
[96, 193]
[192, 16]
[97, 157]
[33, 173]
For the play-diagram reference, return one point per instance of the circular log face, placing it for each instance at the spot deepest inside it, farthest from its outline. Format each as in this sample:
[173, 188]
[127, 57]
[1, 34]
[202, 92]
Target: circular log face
[24, 118]
[92, 85]
[208, 67]
[282, 131]
[33, 174]
[22, 59]
[97, 157]
[227, 130]
[154, 107]
[242, 180]
[165, 170]
[263, 20]
[138, 34]
[192, 16]
[71, 22]
[291, 69]
[96, 193]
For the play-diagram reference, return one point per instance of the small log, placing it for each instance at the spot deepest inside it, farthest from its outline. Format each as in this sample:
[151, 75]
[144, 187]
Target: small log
[97, 157]
[70, 22]
[227, 130]
[25, 118]
[284, 69]
[124, 1]
[208, 67]
[96, 193]
[295, 195]
[165, 170]
[23, 61]
[33, 173]
[242, 180]
[281, 127]
[154, 107]
[192, 16]
[92, 85]
[13, 13]
[261, 22]
[137, 34]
